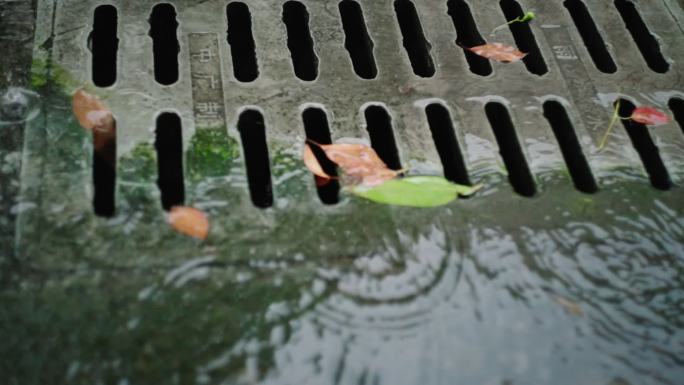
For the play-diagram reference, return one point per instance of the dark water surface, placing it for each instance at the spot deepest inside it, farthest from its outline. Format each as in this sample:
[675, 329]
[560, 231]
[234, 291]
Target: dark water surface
[576, 290]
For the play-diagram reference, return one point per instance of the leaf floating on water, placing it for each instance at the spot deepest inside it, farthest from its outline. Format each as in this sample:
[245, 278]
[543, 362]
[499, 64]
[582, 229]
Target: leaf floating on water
[360, 163]
[189, 221]
[312, 163]
[91, 113]
[571, 307]
[416, 191]
[499, 52]
[650, 116]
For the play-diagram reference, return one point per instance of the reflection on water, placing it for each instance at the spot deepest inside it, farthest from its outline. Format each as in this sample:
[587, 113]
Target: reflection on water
[496, 311]
[587, 292]
[18, 105]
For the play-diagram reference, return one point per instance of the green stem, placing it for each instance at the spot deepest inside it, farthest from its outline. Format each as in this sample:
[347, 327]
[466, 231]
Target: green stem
[616, 116]
[528, 16]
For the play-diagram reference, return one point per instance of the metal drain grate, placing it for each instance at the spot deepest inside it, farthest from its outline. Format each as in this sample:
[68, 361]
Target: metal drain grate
[203, 54]
[214, 99]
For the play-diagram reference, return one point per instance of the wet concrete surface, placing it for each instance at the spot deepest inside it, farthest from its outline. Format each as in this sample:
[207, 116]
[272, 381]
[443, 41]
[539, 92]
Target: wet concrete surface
[563, 287]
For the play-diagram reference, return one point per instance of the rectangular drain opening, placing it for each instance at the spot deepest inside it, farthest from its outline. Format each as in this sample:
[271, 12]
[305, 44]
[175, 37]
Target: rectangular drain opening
[644, 145]
[524, 38]
[299, 41]
[104, 170]
[104, 44]
[357, 40]
[169, 146]
[467, 35]
[648, 45]
[241, 41]
[444, 137]
[163, 27]
[579, 168]
[253, 133]
[317, 130]
[416, 45]
[379, 126]
[518, 171]
[591, 36]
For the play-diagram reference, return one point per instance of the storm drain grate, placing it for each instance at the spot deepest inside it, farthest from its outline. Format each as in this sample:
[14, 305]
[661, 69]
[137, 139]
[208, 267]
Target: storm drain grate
[270, 74]
[359, 43]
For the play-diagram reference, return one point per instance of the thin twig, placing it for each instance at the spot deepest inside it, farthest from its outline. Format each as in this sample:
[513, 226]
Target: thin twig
[613, 120]
[528, 16]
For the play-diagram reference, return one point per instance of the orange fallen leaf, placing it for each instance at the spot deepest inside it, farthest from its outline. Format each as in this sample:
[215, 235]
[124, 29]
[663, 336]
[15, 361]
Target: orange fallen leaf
[650, 116]
[498, 51]
[92, 114]
[360, 163]
[189, 221]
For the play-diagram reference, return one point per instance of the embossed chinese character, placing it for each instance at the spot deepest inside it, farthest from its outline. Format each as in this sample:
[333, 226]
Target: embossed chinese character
[564, 52]
[210, 79]
[204, 55]
[208, 110]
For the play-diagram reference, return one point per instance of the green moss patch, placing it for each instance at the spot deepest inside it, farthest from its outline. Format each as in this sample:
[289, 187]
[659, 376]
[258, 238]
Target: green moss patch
[211, 154]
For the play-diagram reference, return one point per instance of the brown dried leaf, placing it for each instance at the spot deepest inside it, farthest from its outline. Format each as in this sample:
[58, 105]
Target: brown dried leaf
[312, 163]
[498, 51]
[91, 113]
[189, 221]
[360, 163]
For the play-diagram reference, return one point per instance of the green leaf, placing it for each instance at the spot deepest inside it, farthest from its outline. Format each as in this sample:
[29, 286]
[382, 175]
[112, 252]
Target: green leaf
[415, 191]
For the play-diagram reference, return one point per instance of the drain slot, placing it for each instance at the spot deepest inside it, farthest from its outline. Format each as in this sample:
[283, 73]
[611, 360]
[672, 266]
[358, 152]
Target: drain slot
[519, 173]
[104, 45]
[644, 145]
[379, 126]
[524, 38]
[317, 130]
[444, 136]
[104, 171]
[416, 45]
[253, 135]
[579, 168]
[241, 41]
[357, 40]
[647, 43]
[299, 41]
[163, 28]
[169, 146]
[467, 35]
[677, 107]
[591, 36]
